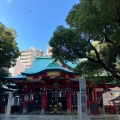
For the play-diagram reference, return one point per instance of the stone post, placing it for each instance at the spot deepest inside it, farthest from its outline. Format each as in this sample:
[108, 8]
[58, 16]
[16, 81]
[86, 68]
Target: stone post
[83, 100]
[9, 106]
[78, 104]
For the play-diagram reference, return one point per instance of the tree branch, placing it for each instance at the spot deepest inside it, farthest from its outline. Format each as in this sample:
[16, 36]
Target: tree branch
[100, 62]
[107, 40]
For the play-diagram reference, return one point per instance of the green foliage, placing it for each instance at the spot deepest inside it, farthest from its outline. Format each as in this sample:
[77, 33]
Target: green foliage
[89, 68]
[65, 43]
[9, 51]
[91, 21]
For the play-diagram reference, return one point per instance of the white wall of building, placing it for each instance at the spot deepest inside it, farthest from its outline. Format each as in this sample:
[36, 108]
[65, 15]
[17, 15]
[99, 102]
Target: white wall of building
[17, 69]
[27, 56]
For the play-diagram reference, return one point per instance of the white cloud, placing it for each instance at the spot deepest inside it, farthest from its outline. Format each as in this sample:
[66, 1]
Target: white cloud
[9, 1]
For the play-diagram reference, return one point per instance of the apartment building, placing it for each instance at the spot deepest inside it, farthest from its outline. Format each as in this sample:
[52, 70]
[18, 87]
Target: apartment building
[27, 56]
[17, 69]
[48, 52]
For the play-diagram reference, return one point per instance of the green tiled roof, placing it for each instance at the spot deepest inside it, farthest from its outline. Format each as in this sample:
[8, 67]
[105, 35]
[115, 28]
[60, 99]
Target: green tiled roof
[38, 65]
[70, 64]
[44, 64]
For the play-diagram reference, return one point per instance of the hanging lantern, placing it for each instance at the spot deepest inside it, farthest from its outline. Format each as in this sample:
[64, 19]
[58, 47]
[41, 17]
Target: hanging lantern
[31, 97]
[26, 97]
[60, 93]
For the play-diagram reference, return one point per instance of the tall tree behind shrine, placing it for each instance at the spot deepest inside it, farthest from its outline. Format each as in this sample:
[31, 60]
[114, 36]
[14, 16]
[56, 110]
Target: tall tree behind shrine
[9, 51]
[91, 21]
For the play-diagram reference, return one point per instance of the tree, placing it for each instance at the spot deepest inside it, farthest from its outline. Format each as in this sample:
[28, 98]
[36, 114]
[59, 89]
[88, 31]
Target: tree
[9, 51]
[91, 21]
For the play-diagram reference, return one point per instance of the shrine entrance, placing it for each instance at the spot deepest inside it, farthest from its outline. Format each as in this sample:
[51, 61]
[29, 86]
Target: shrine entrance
[37, 100]
[57, 100]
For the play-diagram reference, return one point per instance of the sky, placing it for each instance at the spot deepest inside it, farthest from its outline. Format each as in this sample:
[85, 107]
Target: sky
[34, 20]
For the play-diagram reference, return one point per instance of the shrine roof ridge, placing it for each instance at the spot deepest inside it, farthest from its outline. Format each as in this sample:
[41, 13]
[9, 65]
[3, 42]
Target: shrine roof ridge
[46, 63]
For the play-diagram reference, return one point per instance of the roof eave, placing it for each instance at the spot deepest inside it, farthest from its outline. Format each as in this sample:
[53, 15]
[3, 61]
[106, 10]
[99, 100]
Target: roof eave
[50, 70]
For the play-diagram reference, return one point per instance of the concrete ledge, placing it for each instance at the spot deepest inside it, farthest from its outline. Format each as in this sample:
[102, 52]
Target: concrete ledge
[68, 111]
[59, 117]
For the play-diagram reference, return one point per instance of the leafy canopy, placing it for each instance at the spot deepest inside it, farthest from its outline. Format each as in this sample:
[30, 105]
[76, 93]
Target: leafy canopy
[9, 51]
[94, 34]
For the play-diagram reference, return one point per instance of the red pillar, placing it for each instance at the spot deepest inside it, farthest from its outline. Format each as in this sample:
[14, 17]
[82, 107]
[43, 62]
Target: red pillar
[43, 103]
[24, 105]
[88, 101]
[95, 94]
[24, 100]
[46, 101]
[69, 102]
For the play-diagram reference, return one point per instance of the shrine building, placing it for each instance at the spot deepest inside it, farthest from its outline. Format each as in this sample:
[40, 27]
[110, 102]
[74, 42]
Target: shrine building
[50, 87]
